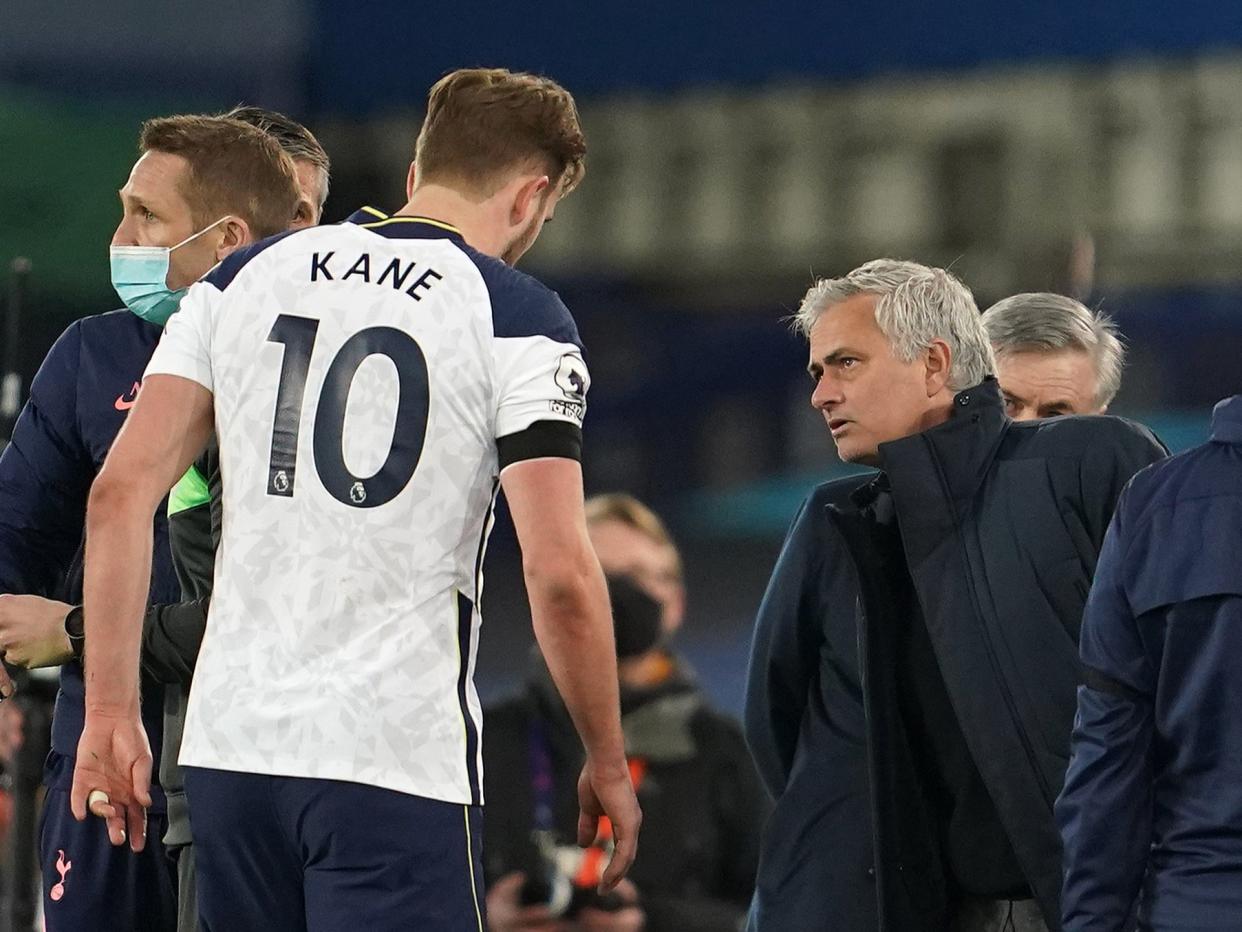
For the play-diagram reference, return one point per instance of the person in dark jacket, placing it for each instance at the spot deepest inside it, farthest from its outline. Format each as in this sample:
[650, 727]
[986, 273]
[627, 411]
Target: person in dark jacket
[702, 801]
[35, 632]
[61, 441]
[914, 664]
[1151, 812]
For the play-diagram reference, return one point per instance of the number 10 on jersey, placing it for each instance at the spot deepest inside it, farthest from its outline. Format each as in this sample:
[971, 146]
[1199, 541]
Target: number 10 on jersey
[298, 335]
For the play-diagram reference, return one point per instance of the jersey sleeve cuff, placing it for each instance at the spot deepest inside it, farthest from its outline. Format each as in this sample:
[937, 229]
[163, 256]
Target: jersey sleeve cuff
[542, 439]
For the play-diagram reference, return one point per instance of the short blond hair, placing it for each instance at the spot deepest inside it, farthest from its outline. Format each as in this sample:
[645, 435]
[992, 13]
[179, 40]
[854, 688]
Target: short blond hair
[484, 124]
[234, 168]
[628, 510]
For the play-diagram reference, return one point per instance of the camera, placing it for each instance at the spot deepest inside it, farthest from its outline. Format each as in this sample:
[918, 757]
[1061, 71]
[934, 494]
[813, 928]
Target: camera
[555, 880]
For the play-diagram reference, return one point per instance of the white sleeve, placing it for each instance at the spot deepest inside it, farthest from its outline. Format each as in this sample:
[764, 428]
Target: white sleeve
[185, 347]
[538, 379]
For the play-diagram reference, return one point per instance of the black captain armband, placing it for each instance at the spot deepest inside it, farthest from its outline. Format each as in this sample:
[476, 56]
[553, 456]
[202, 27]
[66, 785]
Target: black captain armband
[543, 438]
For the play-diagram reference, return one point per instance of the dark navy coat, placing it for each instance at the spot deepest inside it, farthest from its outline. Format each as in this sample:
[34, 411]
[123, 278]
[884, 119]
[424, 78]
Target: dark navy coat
[78, 401]
[1151, 812]
[1001, 525]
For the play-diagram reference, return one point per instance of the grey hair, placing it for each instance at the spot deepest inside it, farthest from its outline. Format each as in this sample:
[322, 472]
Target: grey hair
[915, 305]
[1041, 322]
[298, 142]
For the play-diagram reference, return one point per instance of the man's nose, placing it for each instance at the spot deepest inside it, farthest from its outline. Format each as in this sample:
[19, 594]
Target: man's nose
[124, 234]
[825, 394]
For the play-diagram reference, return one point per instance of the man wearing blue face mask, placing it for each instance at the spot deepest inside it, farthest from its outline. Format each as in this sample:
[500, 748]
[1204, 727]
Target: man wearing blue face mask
[140, 276]
[203, 187]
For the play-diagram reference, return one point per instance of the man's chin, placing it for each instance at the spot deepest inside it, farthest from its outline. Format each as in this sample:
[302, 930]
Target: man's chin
[857, 455]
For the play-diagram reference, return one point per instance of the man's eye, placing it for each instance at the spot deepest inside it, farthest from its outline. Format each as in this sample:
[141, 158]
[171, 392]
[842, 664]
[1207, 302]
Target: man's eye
[1011, 407]
[848, 362]
[147, 215]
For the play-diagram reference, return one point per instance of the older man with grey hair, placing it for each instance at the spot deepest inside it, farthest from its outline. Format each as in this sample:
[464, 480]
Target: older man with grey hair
[914, 667]
[1054, 356]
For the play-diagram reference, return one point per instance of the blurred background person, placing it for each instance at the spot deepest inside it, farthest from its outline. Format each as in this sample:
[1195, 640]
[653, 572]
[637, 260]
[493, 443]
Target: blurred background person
[1151, 812]
[702, 803]
[1054, 356]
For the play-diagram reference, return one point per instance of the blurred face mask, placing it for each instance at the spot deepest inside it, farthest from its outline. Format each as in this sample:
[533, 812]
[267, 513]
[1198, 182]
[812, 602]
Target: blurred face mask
[140, 277]
[635, 617]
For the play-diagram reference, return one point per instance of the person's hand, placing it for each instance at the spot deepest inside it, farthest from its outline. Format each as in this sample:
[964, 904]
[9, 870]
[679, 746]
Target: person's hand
[112, 775]
[608, 791]
[629, 918]
[32, 631]
[505, 912]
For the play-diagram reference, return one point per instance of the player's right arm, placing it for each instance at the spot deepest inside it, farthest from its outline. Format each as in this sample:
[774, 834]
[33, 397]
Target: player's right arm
[573, 624]
[167, 429]
[45, 475]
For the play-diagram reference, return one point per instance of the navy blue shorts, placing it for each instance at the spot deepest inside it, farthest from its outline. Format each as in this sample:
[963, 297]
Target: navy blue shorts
[91, 886]
[290, 854]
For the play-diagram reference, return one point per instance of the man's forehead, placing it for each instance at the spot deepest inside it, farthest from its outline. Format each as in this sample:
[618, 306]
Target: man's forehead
[617, 529]
[1048, 375]
[614, 538]
[310, 180]
[156, 175]
[1062, 364]
[844, 321]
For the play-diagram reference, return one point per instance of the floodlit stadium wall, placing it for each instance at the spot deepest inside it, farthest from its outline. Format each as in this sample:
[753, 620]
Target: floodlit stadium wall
[738, 193]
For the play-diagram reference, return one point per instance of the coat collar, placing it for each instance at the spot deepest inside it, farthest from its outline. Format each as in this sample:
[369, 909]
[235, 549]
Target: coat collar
[963, 446]
[1227, 420]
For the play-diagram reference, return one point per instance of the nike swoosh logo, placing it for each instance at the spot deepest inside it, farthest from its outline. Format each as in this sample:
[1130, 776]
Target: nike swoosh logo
[123, 403]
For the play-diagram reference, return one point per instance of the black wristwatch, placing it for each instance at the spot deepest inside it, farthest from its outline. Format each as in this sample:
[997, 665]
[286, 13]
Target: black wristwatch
[75, 627]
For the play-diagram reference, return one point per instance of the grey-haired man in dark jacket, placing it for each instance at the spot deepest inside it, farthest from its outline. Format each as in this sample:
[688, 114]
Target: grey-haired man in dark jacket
[914, 667]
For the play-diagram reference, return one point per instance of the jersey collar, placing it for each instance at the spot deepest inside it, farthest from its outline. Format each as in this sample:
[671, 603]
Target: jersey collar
[402, 227]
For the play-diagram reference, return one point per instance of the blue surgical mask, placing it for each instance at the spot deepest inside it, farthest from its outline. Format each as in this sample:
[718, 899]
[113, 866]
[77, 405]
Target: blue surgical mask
[140, 277]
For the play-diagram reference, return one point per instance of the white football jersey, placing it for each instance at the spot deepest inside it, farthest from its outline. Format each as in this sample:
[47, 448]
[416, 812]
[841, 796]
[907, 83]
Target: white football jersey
[362, 374]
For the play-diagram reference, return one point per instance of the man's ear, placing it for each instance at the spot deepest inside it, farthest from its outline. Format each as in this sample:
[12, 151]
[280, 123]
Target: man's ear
[529, 198]
[937, 359]
[236, 235]
[411, 178]
[304, 216]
